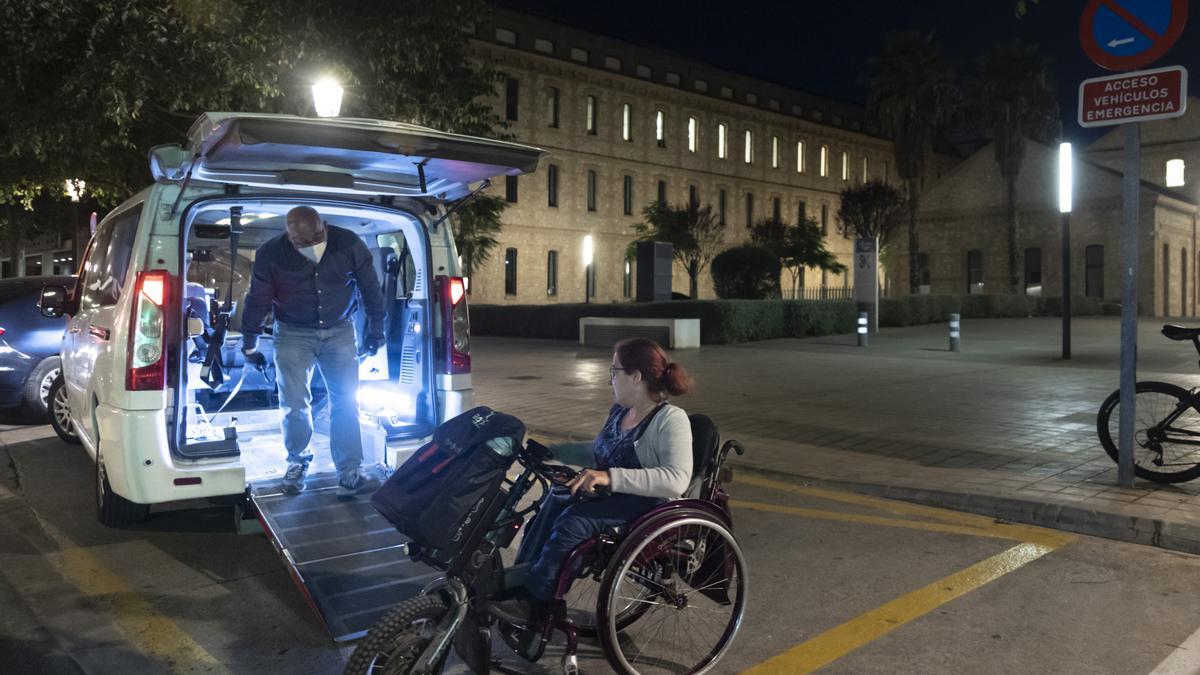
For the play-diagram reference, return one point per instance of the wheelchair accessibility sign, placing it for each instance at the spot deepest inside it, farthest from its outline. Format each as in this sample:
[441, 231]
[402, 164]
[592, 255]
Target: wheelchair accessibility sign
[1130, 34]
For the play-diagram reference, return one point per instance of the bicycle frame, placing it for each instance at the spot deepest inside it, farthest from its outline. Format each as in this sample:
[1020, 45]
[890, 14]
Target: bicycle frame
[1192, 401]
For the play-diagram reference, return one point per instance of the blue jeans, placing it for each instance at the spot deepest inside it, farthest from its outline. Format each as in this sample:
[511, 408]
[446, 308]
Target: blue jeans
[335, 349]
[570, 522]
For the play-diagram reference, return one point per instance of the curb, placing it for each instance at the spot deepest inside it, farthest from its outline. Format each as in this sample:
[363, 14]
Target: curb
[1180, 537]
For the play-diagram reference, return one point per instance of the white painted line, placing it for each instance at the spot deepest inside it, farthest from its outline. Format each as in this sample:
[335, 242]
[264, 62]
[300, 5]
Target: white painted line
[1185, 660]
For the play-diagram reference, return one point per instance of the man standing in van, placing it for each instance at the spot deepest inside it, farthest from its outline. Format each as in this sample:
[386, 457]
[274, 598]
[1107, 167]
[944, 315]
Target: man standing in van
[311, 277]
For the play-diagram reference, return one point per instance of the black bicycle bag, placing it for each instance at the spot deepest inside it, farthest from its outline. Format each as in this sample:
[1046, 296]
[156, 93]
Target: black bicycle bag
[440, 494]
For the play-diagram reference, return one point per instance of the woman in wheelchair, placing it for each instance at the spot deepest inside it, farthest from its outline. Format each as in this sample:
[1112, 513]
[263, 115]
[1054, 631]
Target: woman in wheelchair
[643, 457]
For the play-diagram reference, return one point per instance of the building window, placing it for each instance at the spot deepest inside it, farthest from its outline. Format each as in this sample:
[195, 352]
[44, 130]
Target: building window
[612, 63]
[627, 195]
[923, 270]
[510, 271]
[865, 174]
[693, 196]
[1184, 310]
[33, 266]
[845, 165]
[824, 219]
[798, 111]
[579, 55]
[775, 209]
[1033, 271]
[644, 71]
[673, 79]
[662, 193]
[627, 122]
[799, 156]
[506, 36]
[591, 115]
[802, 213]
[543, 45]
[721, 206]
[511, 99]
[824, 166]
[591, 190]
[774, 152]
[1175, 171]
[552, 107]
[552, 185]
[627, 285]
[749, 209]
[1093, 280]
[974, 271]
[886, 171]
[692, 129]
[748, 155]
[660, 131]
[722, 141]
[701, 86]
[773, 104]
[510, 189]
[752, 99]
[552, 273]
[726, 92]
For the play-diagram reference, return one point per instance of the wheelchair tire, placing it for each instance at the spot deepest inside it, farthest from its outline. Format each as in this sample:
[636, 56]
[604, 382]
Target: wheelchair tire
[583, 601]
[701, 592]
[397, 640]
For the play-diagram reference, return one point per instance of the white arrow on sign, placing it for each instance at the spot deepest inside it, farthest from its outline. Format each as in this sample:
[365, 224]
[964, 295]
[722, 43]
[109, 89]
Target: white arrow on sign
[1117, 43]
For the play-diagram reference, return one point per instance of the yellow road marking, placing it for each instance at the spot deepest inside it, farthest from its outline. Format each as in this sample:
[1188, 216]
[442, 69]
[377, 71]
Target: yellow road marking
[149, 630]
[841, 640]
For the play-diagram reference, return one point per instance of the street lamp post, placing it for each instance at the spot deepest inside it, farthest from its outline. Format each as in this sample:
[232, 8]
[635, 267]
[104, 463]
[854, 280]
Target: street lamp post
[587, 269]
[1065, 179]
[327, 98]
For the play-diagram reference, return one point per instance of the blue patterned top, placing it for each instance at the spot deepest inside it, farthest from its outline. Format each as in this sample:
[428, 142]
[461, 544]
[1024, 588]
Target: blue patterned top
[613, 448]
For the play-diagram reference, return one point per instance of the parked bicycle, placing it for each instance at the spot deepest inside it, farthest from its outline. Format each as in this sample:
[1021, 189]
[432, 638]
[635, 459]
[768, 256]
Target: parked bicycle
[1166, 428]
[666, 594]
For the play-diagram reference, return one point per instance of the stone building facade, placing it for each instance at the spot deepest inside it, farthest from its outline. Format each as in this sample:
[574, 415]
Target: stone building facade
[625, 125]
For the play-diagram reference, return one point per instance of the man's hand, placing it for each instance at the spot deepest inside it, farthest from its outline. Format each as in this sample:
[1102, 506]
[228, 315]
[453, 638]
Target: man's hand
[372, 345]
[588, 481]
[256, 360]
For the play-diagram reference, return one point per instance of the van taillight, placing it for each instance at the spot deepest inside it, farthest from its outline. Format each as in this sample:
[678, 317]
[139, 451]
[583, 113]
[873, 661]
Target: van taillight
[456, 327]
[147, 339]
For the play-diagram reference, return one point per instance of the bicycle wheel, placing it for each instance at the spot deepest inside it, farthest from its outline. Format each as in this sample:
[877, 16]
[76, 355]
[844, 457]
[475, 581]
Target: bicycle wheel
[395, 643]
[1158, 456]
[695, 604]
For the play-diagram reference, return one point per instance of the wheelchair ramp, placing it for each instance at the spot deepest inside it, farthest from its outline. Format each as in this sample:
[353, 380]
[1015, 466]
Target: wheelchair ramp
[345, 558]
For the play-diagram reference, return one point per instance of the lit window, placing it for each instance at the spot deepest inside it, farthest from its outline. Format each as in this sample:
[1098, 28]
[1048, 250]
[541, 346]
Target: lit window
[866, 174]
[591, 115]
[701, 85]
[578, 54]
[506, 36]
[799, 156]
[774, 152]
[544, 46]
[612, 63]
[824, 161]
[1175, 170]
[626, 121]
[673, 78]
[845, 165]
[644, 71]
[749, 142]
[659, 130]
[693, 130]
[722, 141]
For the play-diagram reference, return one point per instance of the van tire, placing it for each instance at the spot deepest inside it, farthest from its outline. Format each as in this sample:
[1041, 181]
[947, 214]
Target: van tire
[60, 414]
[112, 509]
[40, 379]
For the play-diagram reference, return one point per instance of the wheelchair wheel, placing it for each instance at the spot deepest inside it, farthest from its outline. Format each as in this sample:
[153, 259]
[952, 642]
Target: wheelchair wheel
[688, 576]
[584, 598]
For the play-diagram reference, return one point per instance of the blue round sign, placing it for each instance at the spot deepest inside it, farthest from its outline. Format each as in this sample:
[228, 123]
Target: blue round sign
[1129, 34]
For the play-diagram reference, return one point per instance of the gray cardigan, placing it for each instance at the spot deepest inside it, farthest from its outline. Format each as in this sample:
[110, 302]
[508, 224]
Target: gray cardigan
[665, 453]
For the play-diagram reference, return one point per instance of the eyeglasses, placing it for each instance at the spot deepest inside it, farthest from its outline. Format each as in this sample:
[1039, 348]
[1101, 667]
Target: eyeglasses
[613, 370]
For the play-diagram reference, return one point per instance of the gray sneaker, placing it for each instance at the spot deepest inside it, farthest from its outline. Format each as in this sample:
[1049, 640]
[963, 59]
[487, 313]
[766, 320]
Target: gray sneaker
[356, 484]
[293, 479]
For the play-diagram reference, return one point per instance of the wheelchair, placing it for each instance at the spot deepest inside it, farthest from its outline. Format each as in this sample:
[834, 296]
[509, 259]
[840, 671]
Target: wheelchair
[665, 594]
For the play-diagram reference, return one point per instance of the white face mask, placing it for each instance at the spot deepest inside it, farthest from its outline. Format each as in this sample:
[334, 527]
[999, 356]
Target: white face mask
[314, 253]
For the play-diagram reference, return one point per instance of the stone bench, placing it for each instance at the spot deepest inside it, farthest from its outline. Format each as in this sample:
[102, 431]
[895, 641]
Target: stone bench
[606, 331]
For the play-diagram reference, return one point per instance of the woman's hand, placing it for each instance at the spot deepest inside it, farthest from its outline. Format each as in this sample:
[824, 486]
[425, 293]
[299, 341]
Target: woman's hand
[588, 480]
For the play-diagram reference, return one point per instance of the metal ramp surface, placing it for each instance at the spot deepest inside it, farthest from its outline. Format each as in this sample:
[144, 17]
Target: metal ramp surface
[346, 559]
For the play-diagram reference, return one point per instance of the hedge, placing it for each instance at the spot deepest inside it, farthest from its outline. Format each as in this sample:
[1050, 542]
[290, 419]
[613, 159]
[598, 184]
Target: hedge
[730, 321]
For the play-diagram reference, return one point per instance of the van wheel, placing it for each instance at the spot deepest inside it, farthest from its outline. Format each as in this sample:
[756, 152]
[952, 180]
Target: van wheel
[60, 412]
[112, 509]
[38, 384]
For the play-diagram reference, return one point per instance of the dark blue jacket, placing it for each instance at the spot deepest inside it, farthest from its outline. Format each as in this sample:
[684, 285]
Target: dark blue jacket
[313, 295]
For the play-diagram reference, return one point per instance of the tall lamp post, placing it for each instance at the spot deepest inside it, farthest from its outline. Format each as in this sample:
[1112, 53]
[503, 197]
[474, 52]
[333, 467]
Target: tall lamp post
[327, 98]
[1065, 179]
[588, 279]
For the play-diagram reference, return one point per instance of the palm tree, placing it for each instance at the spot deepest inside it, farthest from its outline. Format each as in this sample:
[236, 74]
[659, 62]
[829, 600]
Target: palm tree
[912, 94]
[1012, 97]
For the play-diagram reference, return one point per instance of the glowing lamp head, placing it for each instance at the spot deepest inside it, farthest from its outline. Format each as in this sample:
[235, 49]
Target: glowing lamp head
[327, 98]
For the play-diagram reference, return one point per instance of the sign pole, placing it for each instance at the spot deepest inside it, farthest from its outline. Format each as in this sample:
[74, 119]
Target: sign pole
[1066, 286]
[1129, 297]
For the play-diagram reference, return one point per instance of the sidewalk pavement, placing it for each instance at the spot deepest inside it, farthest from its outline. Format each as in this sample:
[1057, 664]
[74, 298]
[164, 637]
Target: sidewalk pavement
[1003, 428]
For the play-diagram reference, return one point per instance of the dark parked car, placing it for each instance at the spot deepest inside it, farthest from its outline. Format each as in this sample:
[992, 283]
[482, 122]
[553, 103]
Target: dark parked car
[29, 344]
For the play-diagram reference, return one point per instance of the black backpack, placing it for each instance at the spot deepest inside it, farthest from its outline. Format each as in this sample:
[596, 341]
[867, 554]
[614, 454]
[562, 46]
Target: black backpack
[440, 494]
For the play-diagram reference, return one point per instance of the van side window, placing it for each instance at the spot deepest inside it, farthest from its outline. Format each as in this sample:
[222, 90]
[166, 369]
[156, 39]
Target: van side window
[104, 271]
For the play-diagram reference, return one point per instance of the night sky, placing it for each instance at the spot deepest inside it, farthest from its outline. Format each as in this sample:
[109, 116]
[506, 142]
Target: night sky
[823, 47]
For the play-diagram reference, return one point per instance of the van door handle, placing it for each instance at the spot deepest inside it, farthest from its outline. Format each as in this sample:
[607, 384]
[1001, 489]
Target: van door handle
[98, 331]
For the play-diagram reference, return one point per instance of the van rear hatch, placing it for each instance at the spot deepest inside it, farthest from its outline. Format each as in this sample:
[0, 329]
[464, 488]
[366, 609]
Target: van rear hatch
[340, 155]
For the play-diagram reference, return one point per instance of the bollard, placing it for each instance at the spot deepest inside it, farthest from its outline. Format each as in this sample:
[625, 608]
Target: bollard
[862, 329]
[954, 335]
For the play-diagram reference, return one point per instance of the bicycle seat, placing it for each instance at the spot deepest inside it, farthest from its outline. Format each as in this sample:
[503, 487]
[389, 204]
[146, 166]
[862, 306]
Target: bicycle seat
[1173, 332]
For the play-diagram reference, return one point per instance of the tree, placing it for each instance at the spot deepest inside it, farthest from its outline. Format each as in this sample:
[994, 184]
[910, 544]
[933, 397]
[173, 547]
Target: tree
[476, 224]
[1012, 97]
[91, 86]
[694, 232]
[871, 210]
[912, 93]
[796, 246]
[749, 272]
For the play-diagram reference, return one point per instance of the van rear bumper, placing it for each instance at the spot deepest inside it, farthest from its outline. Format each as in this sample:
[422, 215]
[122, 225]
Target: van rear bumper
[140, 467]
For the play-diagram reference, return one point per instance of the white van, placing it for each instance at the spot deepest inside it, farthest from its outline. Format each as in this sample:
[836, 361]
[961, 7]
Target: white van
[159, 396]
